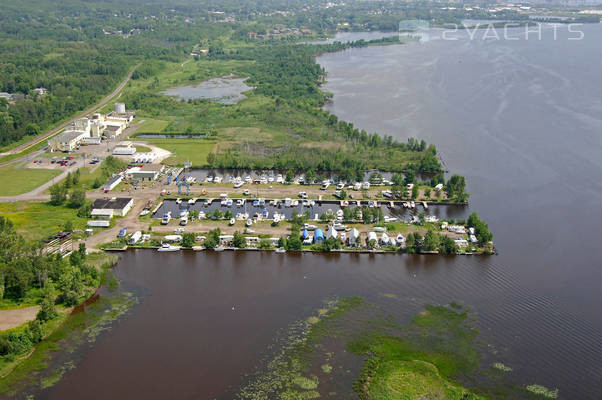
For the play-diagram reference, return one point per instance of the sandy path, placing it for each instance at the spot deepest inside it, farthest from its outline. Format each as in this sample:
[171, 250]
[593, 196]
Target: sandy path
[18, 316]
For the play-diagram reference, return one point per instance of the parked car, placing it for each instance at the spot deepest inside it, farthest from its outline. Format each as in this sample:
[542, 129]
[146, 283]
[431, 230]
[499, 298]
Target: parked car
[122, 232]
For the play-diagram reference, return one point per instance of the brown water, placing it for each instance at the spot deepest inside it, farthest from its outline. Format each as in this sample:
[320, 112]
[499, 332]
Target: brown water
[520, 119]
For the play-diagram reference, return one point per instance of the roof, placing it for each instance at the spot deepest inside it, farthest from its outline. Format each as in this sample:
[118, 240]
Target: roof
[151, 167]
[116, 178]
[116, 203]
[68, 136]
[112, 127]
[318, 233]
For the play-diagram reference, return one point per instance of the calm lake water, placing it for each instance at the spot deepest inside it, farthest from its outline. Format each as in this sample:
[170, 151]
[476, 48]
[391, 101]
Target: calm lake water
[521, 119]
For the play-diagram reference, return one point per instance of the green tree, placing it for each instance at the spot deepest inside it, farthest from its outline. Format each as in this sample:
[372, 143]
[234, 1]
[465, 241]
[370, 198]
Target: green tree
[264, 244]
[47, 307]
[294, 243]
[431, 241]
[290, 176]
[447, 245]
[228, 214]
[188, 240]
[455, 188]
[68, 227]
[77, 198]
[480, 227]
[239, 240]
[217, 214]
[32, 129]
[58, 194]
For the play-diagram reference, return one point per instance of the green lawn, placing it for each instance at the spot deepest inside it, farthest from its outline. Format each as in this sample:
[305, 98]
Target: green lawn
[40, 220]
[151, 125]
[19, 180]
[183, 150]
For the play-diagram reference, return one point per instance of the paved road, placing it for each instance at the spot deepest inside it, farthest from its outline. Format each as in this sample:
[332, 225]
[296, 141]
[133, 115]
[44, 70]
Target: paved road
[63, 125]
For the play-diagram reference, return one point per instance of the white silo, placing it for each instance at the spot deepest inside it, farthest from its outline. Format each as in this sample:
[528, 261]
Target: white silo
[119, 108]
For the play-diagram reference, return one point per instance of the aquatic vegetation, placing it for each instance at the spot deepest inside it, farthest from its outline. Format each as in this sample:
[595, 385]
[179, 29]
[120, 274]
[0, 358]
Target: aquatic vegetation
[285, 376]
[41, 369]
[412, 380]
[543, 391]
[326, 368]
[501, 367]
[420, 362]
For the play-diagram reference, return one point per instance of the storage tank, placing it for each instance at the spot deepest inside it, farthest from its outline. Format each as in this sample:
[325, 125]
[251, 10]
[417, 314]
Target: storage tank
[119, 108]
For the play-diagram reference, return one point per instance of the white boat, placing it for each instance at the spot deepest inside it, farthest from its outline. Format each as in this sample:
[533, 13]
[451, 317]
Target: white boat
[173, 238]
[184, 221]
[280, 250]
[248, 178]
[232, 221]
[168, 247]
[218, 248]
[271, 178]
[237, 185]
[144, 212]
[245, 192]
[202, 215]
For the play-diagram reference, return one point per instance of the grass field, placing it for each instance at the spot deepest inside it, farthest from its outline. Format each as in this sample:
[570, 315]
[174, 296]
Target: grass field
[40, 220]
[183, 150]
[19, 180]
[152, 125]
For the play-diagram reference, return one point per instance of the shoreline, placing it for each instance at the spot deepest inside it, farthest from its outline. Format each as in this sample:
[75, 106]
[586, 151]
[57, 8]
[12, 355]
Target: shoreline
[335, 251]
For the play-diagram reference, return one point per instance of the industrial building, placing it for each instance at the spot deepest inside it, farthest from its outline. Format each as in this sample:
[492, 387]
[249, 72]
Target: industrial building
[91, 129]
[118, 206]
[145, 173]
